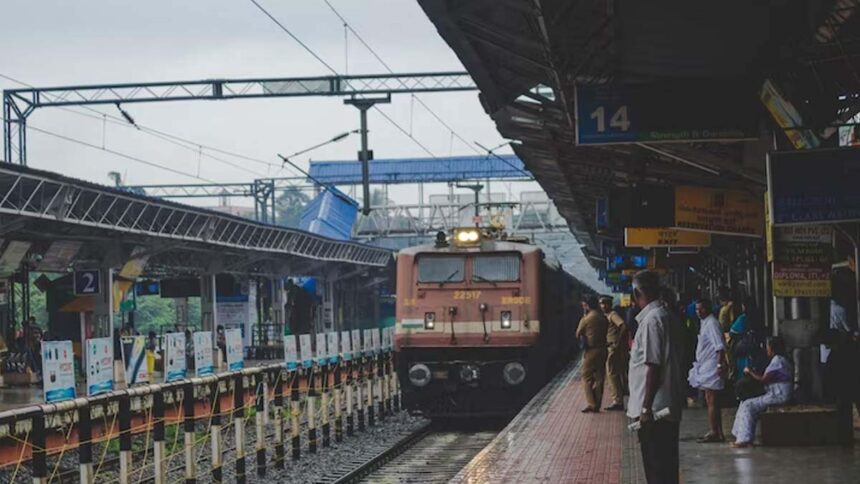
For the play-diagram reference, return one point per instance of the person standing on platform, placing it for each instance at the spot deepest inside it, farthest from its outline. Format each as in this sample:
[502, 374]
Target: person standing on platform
[708, 371]
[616, 360]
[592, 332]
[728, 309]
[630, 321]
[655, 381]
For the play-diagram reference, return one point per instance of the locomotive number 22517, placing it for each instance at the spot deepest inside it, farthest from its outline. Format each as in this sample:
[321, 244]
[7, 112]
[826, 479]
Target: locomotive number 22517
[467, 294]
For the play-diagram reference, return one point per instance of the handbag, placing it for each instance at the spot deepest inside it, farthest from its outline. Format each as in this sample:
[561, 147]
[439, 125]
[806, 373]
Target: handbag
[746, 388]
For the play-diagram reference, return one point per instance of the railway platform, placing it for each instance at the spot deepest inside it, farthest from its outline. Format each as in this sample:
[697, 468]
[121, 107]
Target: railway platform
[550, 440]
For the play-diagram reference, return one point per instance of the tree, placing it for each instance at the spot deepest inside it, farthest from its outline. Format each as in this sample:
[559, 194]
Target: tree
[289, 206]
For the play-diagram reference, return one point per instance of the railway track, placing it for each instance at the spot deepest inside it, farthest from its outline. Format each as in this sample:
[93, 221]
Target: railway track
[431, 455]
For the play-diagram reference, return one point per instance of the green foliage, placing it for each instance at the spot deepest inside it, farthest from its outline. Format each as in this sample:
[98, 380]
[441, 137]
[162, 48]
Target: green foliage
[154, 313]
[289, 205]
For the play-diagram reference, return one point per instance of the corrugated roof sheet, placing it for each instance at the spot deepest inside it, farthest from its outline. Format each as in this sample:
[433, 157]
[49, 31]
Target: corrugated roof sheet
[330, 214]
[415, 170]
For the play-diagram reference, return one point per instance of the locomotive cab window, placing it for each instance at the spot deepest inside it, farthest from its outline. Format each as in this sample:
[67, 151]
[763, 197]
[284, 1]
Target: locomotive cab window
[441, 268]
[496, 268]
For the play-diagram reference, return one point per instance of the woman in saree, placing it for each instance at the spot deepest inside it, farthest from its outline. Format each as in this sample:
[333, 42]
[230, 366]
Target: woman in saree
[778, 387]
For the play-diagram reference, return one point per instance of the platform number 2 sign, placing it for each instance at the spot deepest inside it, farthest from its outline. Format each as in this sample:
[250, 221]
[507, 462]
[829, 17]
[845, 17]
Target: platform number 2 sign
[618, 121]
[87, 282]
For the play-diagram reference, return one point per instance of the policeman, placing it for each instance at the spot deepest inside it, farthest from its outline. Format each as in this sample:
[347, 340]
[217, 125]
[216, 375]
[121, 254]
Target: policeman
[616, 361]
[592, 333]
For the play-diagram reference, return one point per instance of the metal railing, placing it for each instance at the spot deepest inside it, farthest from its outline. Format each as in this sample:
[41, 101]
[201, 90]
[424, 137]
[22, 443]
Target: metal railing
[162, 432]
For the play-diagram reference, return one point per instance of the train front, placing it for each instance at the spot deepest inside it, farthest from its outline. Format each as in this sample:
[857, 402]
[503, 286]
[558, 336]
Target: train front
[468, 325]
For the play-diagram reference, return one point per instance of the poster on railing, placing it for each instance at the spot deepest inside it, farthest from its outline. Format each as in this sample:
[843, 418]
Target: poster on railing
[203, 364]
[291, 352]
[386, 338]
[345, 345]
[175, 365]
[134, 360]
[392, 336]
[355, 337]
[375, 340]
[320, 354]
[58, 370]
[235, 356]
[332, 346]
[99, 358]
[306, 353]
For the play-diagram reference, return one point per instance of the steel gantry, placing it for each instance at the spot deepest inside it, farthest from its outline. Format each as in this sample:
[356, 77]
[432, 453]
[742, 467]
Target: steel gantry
[18, 104]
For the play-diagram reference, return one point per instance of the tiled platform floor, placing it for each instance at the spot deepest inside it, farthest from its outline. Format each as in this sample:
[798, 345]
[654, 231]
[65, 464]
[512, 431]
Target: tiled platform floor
[550, 441]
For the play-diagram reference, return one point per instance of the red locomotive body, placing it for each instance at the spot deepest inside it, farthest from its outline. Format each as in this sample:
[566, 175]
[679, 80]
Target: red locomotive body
[481, 328]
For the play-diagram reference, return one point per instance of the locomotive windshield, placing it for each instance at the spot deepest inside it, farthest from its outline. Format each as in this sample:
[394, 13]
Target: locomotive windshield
[443, 268]
[496, 268]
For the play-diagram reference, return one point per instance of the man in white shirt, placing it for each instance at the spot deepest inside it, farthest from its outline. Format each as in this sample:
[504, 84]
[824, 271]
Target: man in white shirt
[707, 372]
[655, 381]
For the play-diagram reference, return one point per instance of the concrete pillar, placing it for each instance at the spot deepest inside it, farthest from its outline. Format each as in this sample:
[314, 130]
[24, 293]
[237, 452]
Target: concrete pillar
[209, 315]
[208, 305]
[278, 301]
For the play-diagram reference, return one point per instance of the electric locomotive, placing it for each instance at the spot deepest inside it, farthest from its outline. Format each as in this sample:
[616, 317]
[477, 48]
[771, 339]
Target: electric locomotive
[483, 322]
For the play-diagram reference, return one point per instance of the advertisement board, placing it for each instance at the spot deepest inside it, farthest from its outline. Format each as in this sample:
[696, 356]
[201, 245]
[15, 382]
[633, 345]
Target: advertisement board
[58, 371]
[332, 345]
[291, 352]
[802, 261]
[355, 338]
[235, 354]
[346, 345]
[306, 352]
[320, 354]
[203, 362]
[134, 359]
[99, 366]
[175, 364]
[731, 212]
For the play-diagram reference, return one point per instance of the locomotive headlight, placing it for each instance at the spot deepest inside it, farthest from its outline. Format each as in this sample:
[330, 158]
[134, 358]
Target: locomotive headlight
[467, 236]
[514, 373]
[429, 320]
[419, 375]
[506, 320]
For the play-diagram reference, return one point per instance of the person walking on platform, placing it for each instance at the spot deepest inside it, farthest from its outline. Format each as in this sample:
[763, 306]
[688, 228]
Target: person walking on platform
[616, 360]
[655, 381]
[592, 332]
[708, 369]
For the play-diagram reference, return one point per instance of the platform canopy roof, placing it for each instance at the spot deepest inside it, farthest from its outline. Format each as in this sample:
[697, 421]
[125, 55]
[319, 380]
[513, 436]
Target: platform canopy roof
[421, 170]
[527, 56]
[108, 225]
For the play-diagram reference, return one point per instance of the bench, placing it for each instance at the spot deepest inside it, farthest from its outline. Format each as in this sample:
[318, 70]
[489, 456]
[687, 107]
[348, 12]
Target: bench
[806, 424]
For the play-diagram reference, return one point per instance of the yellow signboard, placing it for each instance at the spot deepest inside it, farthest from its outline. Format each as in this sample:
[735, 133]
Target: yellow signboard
[665, 237]
[732, 212]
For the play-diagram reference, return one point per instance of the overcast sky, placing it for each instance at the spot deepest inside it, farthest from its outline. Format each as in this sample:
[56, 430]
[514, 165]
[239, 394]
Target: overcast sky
[61, 42]
[58, 42]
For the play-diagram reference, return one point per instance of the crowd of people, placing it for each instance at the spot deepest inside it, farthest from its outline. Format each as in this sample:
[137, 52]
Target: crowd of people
[667, 353]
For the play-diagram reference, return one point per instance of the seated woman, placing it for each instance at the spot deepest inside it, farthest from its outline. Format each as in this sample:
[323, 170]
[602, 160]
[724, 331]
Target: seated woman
[778, 387]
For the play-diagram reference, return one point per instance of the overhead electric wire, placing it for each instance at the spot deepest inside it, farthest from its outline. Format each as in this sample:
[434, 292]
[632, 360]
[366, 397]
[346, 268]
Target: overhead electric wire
[335, 72]
[391, 71]
[119, 153]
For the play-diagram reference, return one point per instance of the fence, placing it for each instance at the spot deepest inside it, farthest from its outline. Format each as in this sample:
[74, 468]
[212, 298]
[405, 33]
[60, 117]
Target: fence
[181, 431]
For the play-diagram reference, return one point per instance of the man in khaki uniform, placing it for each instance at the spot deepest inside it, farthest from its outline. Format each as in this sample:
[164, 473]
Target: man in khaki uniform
[616, 361]
[592, 332]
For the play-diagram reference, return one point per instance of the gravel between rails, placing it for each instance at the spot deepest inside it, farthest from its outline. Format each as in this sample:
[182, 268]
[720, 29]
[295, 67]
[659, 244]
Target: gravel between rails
[308, 469]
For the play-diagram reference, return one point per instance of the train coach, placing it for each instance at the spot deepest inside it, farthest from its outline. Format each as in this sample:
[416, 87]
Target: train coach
[482, 323]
